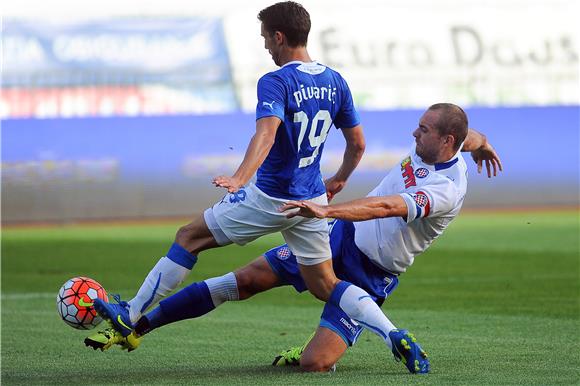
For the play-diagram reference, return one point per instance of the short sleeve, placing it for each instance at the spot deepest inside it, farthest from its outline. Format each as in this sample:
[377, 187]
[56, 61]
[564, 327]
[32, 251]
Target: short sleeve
[432, 200]
[271, 97]
[347, 117]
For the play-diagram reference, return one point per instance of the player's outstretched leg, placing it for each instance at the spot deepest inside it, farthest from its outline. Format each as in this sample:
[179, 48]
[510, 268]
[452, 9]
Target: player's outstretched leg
[193, 301]
[105, 339]
[172, 269]
[164, 278]
[407, 350]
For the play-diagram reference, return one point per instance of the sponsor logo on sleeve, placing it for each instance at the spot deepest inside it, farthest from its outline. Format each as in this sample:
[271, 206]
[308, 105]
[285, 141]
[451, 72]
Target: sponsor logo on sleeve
[407, 172]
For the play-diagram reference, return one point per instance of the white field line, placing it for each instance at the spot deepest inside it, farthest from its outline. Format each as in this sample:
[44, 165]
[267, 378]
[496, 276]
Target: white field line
[37, 295]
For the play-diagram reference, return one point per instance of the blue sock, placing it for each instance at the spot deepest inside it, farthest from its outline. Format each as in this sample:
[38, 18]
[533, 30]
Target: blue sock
[181, 256]
[191, 302]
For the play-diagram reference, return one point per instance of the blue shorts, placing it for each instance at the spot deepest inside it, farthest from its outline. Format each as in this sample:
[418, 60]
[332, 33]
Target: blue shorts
[349, 264]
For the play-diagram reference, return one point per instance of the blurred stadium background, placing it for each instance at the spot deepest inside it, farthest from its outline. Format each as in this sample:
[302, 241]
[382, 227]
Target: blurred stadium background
[127, 109]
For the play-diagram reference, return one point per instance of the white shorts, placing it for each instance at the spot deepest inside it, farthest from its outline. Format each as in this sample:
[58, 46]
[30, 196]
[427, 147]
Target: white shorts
[244, 216]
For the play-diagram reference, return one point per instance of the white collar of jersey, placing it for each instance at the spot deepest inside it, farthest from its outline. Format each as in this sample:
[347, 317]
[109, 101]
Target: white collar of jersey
[299, 62]
[440, 165]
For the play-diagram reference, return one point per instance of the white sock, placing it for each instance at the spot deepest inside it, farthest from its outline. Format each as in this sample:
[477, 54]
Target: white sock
[360, 307]
[165, 277]
[223, 288]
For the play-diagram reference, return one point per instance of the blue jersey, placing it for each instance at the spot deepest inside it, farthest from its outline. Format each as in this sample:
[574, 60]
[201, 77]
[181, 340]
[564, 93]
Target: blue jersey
[309, 98]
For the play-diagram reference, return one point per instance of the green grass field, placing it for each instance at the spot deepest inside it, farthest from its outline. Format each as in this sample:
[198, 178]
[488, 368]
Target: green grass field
[495, 301]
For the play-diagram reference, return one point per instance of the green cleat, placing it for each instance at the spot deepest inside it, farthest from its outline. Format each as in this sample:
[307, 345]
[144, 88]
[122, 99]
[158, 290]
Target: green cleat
[104, 340]
[289, 357]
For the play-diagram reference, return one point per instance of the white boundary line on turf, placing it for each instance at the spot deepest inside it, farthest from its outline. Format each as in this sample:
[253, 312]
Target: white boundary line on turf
[34, 295]
[28, 295]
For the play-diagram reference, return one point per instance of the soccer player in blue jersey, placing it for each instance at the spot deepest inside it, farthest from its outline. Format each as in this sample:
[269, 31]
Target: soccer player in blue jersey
[297, 105]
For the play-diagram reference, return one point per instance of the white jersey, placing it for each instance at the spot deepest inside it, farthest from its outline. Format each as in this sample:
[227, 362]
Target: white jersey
[434, 195]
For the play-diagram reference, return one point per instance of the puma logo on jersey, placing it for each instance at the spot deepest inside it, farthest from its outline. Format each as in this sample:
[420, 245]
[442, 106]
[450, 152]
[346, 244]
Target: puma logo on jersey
[270, 105]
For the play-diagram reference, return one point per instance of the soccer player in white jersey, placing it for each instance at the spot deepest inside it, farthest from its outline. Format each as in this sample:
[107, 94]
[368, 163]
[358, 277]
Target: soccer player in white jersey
[374, 240]
[297, 105]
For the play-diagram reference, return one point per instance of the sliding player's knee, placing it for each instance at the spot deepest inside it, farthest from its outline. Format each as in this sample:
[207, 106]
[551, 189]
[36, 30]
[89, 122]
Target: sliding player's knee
[319, 363]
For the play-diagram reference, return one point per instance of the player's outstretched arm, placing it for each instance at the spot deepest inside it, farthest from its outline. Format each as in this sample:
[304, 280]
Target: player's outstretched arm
[362, 209]
[355, 147]
[256, 153]
[482, 151]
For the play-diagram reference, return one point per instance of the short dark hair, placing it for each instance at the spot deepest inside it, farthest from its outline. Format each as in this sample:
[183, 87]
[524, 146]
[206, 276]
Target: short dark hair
[452, 121]
[290, 18]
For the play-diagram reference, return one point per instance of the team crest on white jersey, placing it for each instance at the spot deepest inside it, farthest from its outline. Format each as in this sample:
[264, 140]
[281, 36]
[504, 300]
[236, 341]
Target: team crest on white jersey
[421, 172]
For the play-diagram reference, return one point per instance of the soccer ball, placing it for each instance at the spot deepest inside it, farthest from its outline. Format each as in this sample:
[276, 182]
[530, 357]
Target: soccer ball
[74, 302]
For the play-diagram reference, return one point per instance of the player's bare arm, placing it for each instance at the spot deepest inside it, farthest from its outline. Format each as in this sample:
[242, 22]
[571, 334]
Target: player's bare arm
[355, 147]
[482, 151]
[256, 153]
[367, 208]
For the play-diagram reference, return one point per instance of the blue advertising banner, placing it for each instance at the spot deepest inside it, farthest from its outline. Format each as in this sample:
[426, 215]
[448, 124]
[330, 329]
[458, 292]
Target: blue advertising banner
[538, 146]
[118, 51]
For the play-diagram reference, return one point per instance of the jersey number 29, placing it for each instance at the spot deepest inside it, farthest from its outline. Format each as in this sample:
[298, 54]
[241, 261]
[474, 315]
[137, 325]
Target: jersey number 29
[315, 140]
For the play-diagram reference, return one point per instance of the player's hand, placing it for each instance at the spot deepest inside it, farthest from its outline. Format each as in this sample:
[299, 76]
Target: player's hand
[232, 184]
[333, 186]
[306, 209]
[487, 154]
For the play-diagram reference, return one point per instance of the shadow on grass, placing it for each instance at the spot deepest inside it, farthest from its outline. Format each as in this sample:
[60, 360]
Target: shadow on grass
[184, 373]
